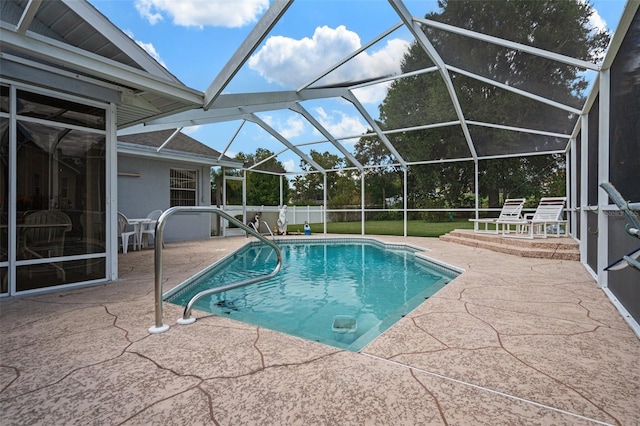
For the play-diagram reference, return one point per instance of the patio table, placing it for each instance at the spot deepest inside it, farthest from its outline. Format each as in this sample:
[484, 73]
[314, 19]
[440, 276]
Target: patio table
[137, 224]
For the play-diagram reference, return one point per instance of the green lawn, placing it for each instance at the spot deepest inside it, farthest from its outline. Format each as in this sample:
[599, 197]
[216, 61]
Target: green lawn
[415, 228]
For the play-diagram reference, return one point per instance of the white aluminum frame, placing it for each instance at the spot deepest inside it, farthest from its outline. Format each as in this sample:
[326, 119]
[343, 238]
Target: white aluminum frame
[110, 168]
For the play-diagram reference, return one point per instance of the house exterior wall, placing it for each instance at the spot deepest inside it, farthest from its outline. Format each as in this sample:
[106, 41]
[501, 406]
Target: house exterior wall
[143, 186]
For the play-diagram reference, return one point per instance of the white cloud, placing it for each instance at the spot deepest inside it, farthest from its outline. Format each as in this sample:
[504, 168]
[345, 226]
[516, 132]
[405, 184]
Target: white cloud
[595, 19]
[294, 126]
[151, 50]
[201, 13]
[148, 47]
[144, 9]
[291, 62]
[289, 165]
[598, 21]
[191, 130]
[340, 124]
[372, 94]
[230, 154]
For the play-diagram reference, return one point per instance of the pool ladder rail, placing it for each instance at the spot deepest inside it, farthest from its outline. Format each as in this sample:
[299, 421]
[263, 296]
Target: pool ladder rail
[268, 228]
[159, 326]
[632, 228]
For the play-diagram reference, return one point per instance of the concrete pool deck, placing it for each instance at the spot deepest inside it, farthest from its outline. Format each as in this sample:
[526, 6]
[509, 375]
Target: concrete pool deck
[511, 341]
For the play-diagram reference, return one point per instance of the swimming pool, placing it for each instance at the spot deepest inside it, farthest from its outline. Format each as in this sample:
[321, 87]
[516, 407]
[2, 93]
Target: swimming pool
[322, 287]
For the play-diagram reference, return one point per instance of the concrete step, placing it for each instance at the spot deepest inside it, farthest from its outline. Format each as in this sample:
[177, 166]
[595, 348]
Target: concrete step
[562, 243]
[565, 248]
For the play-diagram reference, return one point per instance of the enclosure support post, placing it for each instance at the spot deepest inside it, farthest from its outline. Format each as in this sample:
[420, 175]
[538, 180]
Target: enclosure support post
[584, 196]
[324, 200]
[476, 189]
[244, 198]
[603, 176]
[572, 180]
[405, 203]
[362, 192]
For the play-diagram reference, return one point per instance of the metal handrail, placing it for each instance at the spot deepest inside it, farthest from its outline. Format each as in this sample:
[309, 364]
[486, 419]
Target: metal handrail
[268, 227]
[630, 211]
[627, 207]
[159, 327]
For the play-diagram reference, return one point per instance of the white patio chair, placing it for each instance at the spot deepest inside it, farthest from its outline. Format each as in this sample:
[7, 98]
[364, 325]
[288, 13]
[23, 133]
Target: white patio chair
[511, 210]
[548, 213]
[44, 235]
[149, 228]
[124, 234]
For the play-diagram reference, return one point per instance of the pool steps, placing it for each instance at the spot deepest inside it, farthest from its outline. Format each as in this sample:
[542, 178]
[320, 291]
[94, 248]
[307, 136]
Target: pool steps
[563, 248]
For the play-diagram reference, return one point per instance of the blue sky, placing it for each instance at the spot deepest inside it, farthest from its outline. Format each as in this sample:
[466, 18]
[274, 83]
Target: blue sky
[194, 39]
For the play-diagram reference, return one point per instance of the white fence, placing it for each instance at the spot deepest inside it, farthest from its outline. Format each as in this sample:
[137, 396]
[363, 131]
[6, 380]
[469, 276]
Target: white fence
[296, 215]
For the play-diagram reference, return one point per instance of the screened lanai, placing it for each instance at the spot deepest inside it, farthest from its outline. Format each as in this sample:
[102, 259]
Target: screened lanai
[419, 92]
[468, 112]
[440, 108]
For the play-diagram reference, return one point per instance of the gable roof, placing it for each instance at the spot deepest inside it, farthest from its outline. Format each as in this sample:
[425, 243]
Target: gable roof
[175, 146]
[71, 45]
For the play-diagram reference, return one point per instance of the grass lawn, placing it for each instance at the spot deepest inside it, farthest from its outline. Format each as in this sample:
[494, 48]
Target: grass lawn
[415, 228]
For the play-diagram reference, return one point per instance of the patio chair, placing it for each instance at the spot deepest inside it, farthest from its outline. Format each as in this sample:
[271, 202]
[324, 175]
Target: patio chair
[511, 210]
[43, 235]
[547, 214]
[124, 234]
[149, 228]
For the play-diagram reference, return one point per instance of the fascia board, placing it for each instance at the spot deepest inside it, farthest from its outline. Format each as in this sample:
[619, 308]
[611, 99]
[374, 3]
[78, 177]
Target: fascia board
[96, 66]
[27, 16]
[13, 67]
[172, 155]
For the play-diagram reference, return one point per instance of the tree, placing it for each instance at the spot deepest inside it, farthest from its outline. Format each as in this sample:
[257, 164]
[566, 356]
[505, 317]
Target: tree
[556, 26]
[233, 189]
[382, 181]
[264, 188]
[342, 186]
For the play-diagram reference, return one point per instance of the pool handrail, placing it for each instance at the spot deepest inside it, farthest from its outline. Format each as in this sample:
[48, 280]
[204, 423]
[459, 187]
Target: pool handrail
[159, 326]
[268, 228]
[625, 206]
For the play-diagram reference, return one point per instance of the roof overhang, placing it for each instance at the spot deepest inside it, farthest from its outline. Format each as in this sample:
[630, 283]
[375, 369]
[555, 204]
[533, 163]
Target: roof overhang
[136, 150]
[140, 87]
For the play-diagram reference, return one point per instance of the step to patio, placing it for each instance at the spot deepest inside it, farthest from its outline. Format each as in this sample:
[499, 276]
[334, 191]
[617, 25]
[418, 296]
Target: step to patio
[564, 248]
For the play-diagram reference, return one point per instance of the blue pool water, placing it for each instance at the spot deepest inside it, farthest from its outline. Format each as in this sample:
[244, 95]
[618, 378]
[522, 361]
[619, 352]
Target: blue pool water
[319, 281]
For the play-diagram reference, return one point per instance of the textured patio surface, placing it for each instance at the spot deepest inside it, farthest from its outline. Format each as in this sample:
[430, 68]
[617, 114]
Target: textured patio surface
[511, 341]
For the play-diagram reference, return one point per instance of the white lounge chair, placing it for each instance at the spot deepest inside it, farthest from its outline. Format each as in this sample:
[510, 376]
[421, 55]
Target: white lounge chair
[511, 210]
[547, 214]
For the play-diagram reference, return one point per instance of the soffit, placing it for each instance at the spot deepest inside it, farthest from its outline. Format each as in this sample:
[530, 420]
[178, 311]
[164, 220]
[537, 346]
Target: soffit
[72, 39]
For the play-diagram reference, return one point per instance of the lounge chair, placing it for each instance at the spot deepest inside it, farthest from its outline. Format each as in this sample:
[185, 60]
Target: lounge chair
[547, 214]
[511, 210]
